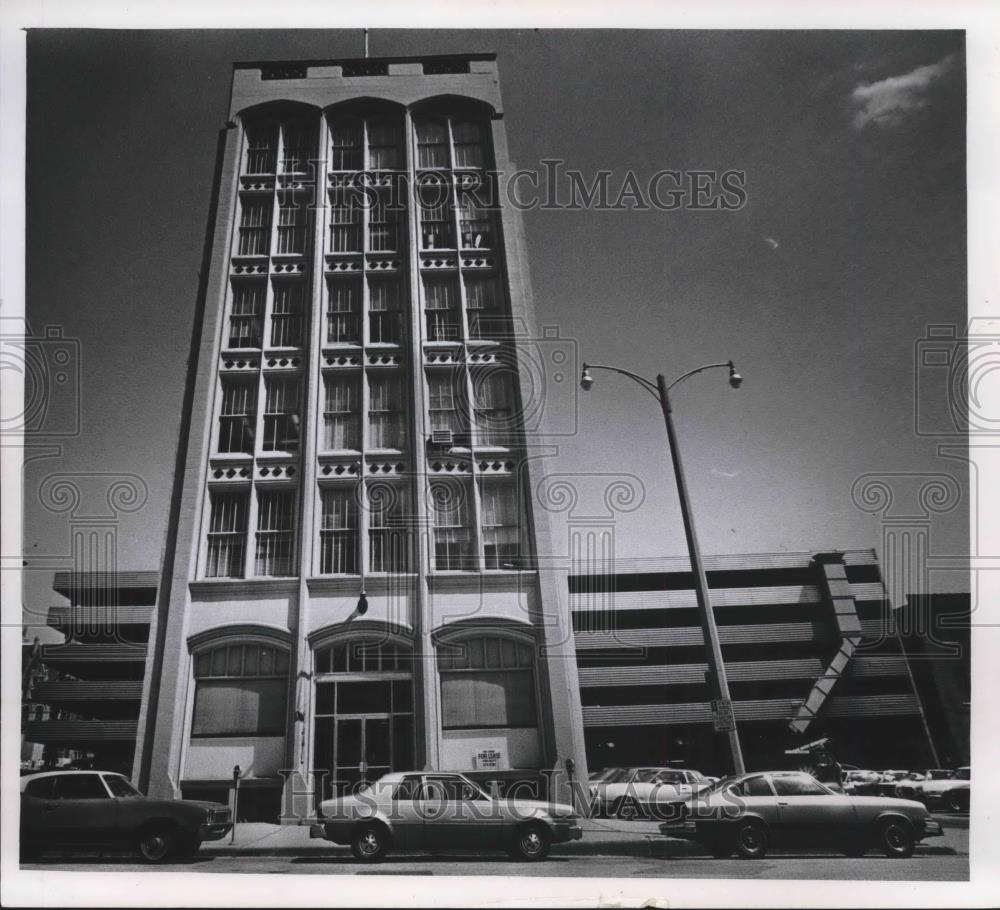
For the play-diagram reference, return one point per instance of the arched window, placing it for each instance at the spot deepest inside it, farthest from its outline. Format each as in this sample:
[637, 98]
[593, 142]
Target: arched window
[432, 144]
[240, 690]
[487, 681]
[348, 145]
[468, 139]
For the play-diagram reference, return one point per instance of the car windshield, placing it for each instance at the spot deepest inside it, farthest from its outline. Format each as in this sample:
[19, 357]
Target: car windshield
[670, 777]
[120, 787]
[615, 775]
[722, 783]
[645, 775]
[698, 776]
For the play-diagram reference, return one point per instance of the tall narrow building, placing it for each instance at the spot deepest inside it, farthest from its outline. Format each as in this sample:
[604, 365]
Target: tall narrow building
[357, 576]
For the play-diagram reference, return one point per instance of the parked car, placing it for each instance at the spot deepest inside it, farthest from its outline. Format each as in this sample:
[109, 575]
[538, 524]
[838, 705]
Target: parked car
[909, 787]
[951, 792]
[859, 782]
[888, 781]
[747, 813]
[635, 792]
[87, 809]
[413, 810]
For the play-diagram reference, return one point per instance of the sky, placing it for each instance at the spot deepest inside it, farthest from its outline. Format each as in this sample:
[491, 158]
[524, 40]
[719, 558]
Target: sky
[851, 243]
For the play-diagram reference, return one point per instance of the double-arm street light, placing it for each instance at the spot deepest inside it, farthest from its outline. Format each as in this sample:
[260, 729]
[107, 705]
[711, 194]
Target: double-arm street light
[716, 676]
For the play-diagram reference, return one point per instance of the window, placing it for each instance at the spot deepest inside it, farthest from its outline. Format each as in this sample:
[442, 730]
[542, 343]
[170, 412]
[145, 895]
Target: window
[452, 534]
[80, 786]
[293, 229]
[383, 316]
[339, 533]
[441, 304]
[275, 533]
[432, 144]
[261, 149]
[487, 682]
[797, 786]
[753, 786]
[299, 147]
[286, 316]
[345, 223]
[437, 228]
[281, 414]
[494, 398]
[255, 228]
[475, 224]
[385, 423]
[383, 145]
[486, 318]
[366, 655]
[245, 318]
[341, 413]
[347, 146]
[383, 227]
[238, 417]
[501, 528]
[441, 401]
[121, 788]
[240, 690]
[468, 144]
[41, 787]
[227, 535]
[388, 534]
[343, 307]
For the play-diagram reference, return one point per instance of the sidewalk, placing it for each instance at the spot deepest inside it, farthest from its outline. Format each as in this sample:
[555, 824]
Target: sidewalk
[600, 836]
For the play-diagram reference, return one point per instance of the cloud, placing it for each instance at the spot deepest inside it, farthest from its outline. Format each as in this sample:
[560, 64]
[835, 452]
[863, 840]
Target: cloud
[888, 102]
[770, 241]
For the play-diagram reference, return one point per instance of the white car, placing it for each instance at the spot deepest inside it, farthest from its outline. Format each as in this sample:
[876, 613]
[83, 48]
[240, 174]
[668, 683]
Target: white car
[951, 791]
[636, 792]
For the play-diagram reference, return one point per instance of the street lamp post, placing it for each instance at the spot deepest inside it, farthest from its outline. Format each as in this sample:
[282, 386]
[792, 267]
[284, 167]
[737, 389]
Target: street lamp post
[716, 676]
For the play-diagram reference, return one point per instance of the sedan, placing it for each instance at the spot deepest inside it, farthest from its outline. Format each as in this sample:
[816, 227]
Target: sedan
[635, 792]
[952, 791]
[432, 811]
[88, 809]
[747, 813]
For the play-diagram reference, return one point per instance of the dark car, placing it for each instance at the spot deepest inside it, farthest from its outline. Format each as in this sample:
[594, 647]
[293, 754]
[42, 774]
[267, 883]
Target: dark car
[747, 813]
[88, 809]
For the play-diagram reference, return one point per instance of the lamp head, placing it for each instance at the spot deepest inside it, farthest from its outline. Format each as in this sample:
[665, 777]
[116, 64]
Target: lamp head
[586, 380]
[735, 380]
[362, 604]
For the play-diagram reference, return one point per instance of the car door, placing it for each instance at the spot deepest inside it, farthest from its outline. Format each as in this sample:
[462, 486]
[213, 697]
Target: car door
[405, 815]
[81, 811]
[456, 814]
[810, 813]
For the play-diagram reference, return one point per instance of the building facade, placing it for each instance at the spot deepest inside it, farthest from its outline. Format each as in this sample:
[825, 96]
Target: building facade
[811, 651]
[350, 575]
[82, 696]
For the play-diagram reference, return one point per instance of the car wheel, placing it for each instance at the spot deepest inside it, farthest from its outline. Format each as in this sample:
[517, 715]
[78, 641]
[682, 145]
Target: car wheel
[958, 801]
[188, 847]
[531, 843]
[370, 843]
[627, 809]
[895, 837]
[157, 843]
[751, 840]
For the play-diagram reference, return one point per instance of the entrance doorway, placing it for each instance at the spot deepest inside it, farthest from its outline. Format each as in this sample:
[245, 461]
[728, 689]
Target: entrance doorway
[364, 714]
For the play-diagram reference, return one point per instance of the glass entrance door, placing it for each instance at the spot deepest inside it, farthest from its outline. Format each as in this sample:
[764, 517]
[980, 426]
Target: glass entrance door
[362, 751]
[363, 722]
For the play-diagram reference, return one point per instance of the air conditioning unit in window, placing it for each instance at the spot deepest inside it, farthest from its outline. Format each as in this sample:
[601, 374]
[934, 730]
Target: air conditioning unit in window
[443, 438]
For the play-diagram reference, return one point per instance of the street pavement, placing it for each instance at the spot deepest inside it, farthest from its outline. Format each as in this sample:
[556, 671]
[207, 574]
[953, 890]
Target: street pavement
[609, 848]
